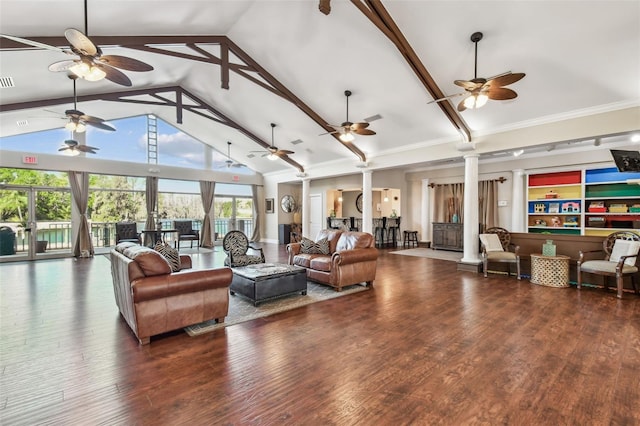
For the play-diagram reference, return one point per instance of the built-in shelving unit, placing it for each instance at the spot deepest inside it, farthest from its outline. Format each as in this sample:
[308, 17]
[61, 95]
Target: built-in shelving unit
[583, 202]
[611, 203]
[555, 203]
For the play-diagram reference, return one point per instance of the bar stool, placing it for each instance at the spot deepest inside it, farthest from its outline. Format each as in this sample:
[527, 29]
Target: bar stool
[410, 238]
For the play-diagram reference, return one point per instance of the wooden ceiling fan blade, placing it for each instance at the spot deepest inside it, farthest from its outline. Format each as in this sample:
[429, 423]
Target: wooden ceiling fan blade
[34, 43]
[87, 148]
[364, 132]
[358, 126]
[284, 151]
[505, 80]
[125, 63]
[115, 75]
[62, 65]
[501, 94]
[80, 43]
[101, 125]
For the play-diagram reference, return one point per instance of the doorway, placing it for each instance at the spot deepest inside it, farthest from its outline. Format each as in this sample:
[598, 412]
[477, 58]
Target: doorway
[316, 222]
[35, 223]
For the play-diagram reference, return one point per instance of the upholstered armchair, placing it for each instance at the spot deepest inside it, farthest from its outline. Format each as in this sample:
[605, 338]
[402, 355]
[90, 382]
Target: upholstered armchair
[186, 232]
[497, 247]
[620, 256]
[236, 245]
[127, 232]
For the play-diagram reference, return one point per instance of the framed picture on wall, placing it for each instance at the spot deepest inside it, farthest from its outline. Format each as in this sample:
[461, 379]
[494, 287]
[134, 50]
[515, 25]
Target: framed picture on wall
[268, 205]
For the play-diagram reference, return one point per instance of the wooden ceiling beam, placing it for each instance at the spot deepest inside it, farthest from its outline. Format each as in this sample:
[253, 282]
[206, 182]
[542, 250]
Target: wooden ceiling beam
[380, 17]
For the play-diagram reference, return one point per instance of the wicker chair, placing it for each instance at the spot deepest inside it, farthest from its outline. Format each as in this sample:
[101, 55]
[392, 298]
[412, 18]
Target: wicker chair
[127, 231]
[620, 257]
[497, 247]
[236, 245]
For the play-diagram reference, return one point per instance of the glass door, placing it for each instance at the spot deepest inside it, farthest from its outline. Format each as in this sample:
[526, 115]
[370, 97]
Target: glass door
[233, 213]
[34, 223]
[15, 224]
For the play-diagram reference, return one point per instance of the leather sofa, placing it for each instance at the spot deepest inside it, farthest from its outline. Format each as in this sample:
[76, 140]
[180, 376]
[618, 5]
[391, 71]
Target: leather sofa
[154, 300]
[352, 259]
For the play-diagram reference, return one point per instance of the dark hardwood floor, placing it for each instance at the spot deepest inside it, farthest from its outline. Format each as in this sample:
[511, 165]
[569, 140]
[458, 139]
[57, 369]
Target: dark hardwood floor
[428, 345]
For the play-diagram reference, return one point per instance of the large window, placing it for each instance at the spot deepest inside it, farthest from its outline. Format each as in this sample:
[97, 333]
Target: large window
[140, 139]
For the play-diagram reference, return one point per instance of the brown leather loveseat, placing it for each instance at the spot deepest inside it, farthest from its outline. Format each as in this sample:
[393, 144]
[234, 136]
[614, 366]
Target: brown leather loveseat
[154, 300]
[351, 259]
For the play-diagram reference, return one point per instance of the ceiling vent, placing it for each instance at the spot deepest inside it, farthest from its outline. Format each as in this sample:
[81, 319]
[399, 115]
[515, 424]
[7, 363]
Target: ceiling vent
[250, 155]
[296, 142]
[373, 118]
[22, 123]
[6, 82]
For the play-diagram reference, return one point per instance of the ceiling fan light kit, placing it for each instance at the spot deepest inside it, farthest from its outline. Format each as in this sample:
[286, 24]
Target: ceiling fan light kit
[87, 71]
[476, 100]
[75, 126]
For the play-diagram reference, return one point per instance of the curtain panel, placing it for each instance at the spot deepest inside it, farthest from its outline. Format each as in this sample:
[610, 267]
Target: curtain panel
[151, 195]
[207, 193]
[79, 183]
[256, 214]
[449, 201]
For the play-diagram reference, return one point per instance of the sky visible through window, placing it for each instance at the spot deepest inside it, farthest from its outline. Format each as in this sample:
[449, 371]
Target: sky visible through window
[127, 143]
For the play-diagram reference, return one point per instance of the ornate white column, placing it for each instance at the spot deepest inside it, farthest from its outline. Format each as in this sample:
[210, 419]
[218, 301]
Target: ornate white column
[518, 212]
[367, 213]
[471, 216]
[306, 226]
[425, 218]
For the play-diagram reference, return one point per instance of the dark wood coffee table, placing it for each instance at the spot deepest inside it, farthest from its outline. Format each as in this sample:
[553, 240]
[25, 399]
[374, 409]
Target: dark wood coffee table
[266, 281]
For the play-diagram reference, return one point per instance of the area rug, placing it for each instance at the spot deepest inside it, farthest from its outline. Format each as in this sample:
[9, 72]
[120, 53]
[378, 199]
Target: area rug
[431, 253]
[242, 309]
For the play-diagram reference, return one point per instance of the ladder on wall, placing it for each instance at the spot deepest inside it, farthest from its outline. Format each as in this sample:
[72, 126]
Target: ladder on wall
[152, 139]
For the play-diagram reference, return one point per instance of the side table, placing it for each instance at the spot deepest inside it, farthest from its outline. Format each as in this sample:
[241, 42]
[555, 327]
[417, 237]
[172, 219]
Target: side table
[551, 271]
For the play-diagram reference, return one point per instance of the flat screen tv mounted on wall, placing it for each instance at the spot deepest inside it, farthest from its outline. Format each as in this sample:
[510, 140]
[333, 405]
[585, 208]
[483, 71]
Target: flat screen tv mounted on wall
[626, 161]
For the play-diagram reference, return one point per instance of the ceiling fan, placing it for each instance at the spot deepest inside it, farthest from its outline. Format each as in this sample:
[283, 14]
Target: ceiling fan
[75, 148]
[480, 90]
[78, 120]
[90, 64]
[229, 162]
[347, 129]
[272, 152]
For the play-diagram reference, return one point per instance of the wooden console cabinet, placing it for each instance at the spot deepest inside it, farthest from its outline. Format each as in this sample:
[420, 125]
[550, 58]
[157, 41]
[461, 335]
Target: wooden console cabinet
[447, 236]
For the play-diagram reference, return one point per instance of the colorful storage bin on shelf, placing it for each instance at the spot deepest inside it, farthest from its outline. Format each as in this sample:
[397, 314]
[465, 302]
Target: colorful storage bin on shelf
[618, 208]
[635, 208]
[596, 221]
[597, 207]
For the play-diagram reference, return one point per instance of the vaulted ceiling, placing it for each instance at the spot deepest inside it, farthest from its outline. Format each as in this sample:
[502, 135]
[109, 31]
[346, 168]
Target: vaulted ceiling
[290, 64]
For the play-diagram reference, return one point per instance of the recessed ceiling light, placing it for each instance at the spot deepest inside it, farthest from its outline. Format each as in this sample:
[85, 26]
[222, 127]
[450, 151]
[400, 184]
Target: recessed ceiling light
[635, 137]
[518, 153]
[22, 123]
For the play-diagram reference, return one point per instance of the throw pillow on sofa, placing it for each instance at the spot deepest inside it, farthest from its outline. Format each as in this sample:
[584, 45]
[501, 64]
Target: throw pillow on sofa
[318, 247]
[169, 253]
